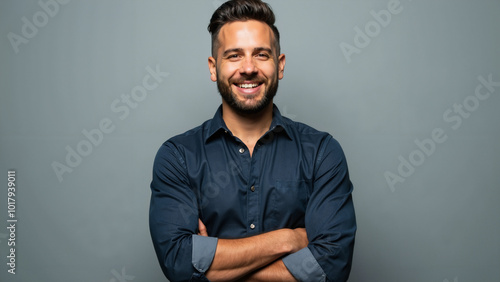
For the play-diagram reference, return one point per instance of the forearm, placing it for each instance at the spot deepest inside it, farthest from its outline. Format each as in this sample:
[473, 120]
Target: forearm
[275, 271]
[235, 258]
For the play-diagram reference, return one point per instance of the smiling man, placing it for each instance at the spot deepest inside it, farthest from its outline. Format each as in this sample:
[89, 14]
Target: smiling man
[251, 195]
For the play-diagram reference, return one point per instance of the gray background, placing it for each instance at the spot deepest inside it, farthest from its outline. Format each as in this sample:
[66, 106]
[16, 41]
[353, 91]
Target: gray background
[440, 224]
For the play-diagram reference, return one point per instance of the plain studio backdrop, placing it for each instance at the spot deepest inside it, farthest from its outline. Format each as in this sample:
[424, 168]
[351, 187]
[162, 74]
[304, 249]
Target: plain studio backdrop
[91, 89]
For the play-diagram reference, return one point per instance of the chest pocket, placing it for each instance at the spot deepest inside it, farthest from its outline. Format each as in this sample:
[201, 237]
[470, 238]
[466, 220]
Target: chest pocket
[288, 200]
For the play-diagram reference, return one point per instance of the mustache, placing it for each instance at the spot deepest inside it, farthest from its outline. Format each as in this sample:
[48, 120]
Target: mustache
[258, 80]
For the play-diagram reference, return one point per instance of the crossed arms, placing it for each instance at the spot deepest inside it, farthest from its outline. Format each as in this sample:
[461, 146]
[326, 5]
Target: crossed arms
[255, 258]
[324, 254]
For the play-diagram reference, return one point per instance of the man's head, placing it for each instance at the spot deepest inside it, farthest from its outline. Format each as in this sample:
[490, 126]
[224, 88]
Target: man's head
[242, 10]
[246, 60]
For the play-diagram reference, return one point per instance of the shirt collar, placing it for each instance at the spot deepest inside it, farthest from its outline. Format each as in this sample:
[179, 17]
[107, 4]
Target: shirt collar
[217, 124]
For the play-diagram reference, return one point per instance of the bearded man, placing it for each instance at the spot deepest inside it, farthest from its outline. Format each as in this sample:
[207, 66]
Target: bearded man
[251, 195]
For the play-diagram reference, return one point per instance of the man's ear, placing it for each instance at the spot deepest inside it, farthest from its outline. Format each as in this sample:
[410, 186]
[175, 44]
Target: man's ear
[212, 66]
[281, 65]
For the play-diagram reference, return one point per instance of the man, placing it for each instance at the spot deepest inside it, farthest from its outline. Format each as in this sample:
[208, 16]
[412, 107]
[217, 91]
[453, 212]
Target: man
[251, 195]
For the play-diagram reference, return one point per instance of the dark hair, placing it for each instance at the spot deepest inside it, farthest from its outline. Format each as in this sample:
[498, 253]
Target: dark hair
[242, 10]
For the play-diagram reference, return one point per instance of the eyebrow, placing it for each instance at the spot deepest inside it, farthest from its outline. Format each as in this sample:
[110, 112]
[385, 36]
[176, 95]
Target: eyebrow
[237, 50]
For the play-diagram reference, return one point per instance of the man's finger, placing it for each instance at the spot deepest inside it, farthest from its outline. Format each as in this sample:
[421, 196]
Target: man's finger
[201, 228]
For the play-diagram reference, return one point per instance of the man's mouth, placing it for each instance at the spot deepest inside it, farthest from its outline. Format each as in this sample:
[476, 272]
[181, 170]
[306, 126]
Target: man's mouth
[247, 85]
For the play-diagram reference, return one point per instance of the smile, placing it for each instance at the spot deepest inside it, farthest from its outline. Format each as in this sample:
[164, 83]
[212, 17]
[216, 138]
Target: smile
[247, 85]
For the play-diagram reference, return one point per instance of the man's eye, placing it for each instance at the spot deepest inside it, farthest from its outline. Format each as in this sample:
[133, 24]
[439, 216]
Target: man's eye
[234, 56]
[263, 55]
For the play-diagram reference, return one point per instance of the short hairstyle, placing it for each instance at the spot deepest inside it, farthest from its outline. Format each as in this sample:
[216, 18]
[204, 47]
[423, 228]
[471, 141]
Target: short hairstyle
[242, 10]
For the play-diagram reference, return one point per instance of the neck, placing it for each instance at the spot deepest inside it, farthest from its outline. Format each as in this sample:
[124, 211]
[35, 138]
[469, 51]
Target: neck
[248, 128]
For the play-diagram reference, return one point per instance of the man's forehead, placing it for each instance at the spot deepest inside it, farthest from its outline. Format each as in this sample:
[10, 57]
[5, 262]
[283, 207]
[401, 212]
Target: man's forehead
[249, 32]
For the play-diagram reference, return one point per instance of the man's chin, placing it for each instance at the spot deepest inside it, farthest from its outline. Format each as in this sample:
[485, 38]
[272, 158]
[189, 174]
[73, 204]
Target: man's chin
[250, 109]
[246, 103]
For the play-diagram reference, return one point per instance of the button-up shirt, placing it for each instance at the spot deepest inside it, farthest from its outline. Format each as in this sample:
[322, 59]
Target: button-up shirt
[296, 177]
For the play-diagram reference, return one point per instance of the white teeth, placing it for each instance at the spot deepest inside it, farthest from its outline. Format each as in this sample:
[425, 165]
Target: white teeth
[248, 85]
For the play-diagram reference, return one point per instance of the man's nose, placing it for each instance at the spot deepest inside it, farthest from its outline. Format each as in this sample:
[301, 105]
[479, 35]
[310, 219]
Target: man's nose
[248, 66]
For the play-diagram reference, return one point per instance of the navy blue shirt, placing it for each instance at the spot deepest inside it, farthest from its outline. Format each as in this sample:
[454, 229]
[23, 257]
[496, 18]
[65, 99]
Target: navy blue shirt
[296, 177]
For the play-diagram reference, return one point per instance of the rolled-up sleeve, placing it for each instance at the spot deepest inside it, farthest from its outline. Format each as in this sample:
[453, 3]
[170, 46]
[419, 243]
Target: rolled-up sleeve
[173, 220]
[203, 252]
[330, 221]
[304, 267]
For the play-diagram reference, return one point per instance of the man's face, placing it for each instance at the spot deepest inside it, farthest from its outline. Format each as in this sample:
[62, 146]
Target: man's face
[248, 67]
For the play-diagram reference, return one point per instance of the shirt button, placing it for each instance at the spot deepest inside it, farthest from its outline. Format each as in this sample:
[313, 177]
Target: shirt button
[252, 188]
[252, 226]
[242, 150]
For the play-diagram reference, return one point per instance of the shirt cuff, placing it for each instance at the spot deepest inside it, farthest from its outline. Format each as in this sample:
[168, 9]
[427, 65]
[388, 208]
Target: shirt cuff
[303, 266]
[203, 252]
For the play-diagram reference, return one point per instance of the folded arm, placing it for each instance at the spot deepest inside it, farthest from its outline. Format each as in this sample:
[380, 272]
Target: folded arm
[330, 222]
[259, 255]
[275, 271]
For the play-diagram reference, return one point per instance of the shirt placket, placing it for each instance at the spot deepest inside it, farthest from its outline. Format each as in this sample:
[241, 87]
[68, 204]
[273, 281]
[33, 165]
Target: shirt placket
[253, 205]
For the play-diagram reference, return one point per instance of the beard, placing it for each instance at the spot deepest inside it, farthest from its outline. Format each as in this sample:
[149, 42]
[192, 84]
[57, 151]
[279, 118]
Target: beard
[239, 106]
